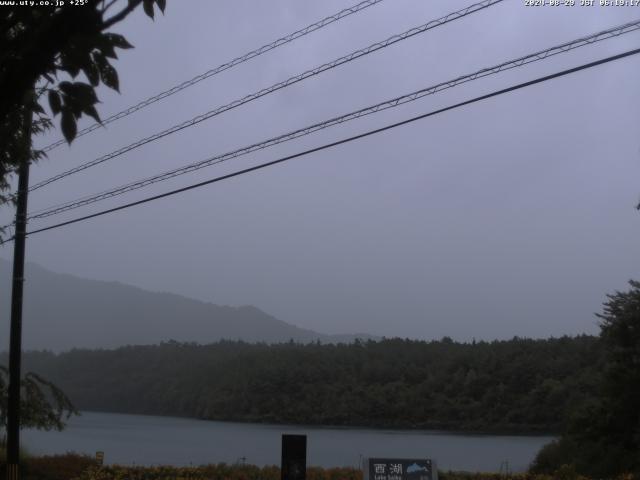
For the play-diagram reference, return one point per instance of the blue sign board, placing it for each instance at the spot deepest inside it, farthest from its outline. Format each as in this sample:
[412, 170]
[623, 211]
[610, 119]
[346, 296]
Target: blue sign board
[400, 469]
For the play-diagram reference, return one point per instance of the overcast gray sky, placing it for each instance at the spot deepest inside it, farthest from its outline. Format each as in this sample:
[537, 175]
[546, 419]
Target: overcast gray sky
[511, 217]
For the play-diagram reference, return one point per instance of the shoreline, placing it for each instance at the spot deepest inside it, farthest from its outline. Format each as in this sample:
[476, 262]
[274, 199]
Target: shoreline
[434, 430]
[153, 440]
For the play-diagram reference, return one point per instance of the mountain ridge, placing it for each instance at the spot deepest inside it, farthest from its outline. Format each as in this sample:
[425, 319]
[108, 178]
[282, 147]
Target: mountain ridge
[110, 314]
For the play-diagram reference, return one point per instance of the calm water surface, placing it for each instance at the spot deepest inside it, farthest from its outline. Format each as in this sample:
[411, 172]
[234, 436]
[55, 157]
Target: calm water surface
[148, 440]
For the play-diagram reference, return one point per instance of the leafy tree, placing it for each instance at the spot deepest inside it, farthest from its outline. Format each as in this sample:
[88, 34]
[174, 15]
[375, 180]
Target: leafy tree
[621, 334]
[40, 44]
[603, 437]
[43, 405]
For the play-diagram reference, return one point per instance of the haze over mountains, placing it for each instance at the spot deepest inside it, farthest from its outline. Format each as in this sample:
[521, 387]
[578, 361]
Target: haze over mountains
[62, 312]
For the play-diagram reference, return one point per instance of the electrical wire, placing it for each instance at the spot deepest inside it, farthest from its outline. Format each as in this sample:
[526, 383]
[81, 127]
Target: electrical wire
[387, 104]
[278, 86]
[221, 68]
[343, 141]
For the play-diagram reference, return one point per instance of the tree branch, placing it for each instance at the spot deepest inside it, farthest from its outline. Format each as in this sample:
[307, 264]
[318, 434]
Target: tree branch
[108, 6]
[118, 17]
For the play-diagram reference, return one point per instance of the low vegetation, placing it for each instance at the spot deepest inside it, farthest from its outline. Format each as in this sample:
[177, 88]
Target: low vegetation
[227, 472]
[54, 467]
[81, 467]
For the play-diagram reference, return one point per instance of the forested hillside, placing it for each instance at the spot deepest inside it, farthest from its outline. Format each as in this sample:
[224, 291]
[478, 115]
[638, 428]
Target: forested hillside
[511, 386]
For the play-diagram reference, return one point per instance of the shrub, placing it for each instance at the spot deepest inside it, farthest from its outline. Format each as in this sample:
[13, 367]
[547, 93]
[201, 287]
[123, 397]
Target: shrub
[56, 467]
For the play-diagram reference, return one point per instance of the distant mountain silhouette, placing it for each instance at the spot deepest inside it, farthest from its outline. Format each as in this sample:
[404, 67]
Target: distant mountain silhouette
[62, 312]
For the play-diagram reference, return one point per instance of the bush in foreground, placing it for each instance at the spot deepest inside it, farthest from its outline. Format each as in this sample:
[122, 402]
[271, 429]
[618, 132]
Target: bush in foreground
[67, 466]
[73, 466]
[211, 472]
[247, 472]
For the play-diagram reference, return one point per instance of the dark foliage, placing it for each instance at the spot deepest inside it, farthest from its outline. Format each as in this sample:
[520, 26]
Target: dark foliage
[603, 435]
[56, 467]
[518, 385]
[43, 405]
[219, 471]
[37, 44]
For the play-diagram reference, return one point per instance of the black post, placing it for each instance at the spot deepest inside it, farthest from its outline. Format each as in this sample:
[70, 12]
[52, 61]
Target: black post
[294, 457]
[15, 345]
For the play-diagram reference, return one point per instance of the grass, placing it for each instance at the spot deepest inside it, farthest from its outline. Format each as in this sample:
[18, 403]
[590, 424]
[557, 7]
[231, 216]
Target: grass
[73, 466]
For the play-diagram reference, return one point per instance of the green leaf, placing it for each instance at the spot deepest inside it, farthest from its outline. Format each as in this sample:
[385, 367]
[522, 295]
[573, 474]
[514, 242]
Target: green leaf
[72, 70]
[109, 77]
[77, 96]
[147, 5]
[84, 93]
[68, 125]
[107, 50]
[92, 72]
[104, 44]
[72, 59]
[66, 88]
[118, 41]
[93, 113]
[72, 104]
[100, 60]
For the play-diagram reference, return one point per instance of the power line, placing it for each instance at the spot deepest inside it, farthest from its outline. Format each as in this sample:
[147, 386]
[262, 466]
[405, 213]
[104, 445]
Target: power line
[221, 68]
[387, 104]
[343, 141]
[278, 86]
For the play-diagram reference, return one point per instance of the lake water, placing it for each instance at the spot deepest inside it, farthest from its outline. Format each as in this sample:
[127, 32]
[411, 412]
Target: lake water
[148, 440]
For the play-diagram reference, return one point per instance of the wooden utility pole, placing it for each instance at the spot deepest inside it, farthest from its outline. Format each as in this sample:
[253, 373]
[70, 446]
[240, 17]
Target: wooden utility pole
[15, 345]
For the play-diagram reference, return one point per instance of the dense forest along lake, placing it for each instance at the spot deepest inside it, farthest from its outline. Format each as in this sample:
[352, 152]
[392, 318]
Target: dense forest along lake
[148, 440]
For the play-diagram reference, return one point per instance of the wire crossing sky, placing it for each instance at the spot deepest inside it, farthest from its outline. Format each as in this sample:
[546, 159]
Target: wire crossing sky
[503, 91]
[511, 216]
[387, 104]
[474, 8]
[221, 68]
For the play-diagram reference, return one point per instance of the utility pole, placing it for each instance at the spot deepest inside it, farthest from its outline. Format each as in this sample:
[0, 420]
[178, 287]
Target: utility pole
[15, 345]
